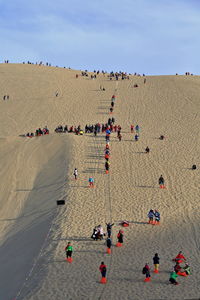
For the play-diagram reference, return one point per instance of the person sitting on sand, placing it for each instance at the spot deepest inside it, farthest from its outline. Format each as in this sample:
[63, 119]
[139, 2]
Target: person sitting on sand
[94, 235]
[187, 269]
[173, 277]
[179, 270]
[100, 232]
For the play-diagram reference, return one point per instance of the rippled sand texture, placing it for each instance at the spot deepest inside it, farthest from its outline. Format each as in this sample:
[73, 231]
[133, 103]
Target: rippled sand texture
[36, 172]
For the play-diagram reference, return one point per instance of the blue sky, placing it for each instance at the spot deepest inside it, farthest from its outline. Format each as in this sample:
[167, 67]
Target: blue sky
[144, 36]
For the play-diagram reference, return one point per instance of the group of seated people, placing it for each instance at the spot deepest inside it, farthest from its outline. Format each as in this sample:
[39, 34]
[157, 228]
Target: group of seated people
[74, 129]
[179, 268]
[98, 233]
[38, 132]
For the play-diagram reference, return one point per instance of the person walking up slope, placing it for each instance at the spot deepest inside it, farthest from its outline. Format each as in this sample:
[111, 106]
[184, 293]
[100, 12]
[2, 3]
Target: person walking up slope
[69, 250]
[103, 270]
[146, 271]
[156, 260]
[161, 182]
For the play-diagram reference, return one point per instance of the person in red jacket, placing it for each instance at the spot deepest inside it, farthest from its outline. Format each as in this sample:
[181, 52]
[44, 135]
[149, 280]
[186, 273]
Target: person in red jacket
[103, 269]
[180, 257]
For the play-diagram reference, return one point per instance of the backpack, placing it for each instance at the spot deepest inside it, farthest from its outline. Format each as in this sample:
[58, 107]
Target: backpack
[144, 270]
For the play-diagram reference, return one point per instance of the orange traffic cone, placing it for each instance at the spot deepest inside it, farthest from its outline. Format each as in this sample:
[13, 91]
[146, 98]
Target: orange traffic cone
[107, 172]
[108, 250]
[103, 280]
[69, 259]
[118, 244]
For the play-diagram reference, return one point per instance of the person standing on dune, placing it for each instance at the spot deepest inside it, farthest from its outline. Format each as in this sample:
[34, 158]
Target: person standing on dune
[75, 173]
[69, 250]
[161, 182]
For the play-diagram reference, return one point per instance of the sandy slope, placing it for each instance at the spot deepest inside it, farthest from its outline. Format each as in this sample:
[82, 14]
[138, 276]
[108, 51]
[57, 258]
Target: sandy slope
[35, 172]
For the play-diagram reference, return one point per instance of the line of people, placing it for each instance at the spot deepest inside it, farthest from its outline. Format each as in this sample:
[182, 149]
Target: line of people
[38, 132]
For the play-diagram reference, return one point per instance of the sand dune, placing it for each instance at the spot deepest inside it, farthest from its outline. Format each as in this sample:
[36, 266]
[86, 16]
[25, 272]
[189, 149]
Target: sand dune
[36, 172]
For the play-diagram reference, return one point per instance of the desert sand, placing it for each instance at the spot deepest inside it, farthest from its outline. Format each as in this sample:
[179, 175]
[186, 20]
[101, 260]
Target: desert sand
[36, 172]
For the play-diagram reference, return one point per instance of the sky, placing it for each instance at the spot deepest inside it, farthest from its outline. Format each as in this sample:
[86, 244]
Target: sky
[145, 36]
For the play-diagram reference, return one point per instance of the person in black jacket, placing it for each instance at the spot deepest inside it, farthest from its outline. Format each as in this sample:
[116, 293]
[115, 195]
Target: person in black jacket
[156, 260]
[109, 229]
